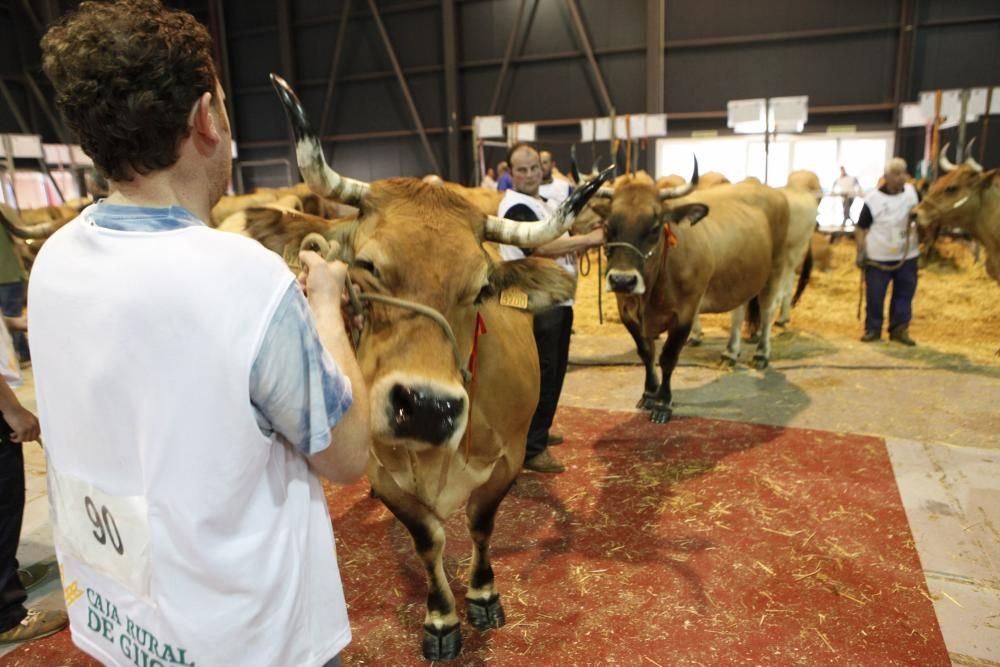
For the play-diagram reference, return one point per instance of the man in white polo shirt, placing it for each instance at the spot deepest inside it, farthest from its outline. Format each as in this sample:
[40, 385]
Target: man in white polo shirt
[554, 190]
[887, 252]
[553, 327]
[188, 393]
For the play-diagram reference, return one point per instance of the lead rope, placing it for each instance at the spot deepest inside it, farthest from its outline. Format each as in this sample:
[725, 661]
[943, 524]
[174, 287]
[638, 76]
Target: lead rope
[318, 243]
[473, 362]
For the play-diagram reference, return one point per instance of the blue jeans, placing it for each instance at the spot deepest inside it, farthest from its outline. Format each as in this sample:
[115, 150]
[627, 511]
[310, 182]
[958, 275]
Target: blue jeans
[904, 286]
[12, 297]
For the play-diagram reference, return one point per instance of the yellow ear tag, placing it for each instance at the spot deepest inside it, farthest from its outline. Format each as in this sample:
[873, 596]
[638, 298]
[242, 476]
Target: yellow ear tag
[291, 257]
[514, 297]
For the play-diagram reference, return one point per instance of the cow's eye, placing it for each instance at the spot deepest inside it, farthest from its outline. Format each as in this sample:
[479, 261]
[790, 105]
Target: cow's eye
[485, 293]
[951, 189]
[365, 265]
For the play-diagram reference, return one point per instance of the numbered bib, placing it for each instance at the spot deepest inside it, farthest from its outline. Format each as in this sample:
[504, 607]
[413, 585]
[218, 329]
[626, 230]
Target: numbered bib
[108, 533]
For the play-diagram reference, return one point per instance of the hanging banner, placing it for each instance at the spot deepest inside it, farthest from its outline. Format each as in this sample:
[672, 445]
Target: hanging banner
[489, 127]
[656, 125]
[587, 129]
[602, 129]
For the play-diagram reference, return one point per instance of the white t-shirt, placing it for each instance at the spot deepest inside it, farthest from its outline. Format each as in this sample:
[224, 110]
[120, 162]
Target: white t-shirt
[541, 209]
[184, 534]
[555, 192]
[887, 237]
[847, 185]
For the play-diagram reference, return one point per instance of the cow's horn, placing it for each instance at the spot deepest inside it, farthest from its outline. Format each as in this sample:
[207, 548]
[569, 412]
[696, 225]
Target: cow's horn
[604, 193]
[12, 223]
[533, 234]
[321, 179]
[574, 171]
[681, 190]
[971, 161]
[943, 161]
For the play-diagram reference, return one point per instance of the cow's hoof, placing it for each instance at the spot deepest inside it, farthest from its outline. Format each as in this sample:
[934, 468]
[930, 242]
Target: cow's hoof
[727, 362]
[781, 323]
[372, 493]
[760, 362]
[442, 643]
[646, 402]
[661, 413]
[485, 614]
[695, 341]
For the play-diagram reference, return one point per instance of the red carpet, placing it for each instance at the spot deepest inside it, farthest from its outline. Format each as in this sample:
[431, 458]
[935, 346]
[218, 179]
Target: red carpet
[695, 543]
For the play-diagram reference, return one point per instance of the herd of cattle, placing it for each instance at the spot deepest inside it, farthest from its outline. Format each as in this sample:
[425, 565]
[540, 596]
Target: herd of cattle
[437, 340]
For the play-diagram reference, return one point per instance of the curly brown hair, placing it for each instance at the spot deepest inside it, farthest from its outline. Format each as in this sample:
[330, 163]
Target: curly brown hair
[126, 75]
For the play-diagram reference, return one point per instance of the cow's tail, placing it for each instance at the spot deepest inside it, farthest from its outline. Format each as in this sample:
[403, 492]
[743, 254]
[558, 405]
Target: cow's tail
[807, 266]
[753, 318]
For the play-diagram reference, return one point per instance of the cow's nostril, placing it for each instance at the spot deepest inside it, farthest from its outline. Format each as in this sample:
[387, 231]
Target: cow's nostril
[421, 414]
[622, 282]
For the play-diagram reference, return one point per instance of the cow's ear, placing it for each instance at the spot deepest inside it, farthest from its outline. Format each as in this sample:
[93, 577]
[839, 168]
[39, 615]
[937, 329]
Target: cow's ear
[991, 177]
[545, 283]
[601, 206]
[692, 212]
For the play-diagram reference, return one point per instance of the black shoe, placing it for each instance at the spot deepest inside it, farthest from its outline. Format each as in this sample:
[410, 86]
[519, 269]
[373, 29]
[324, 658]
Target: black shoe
[901, 334]
[555, 439]
[870, 336]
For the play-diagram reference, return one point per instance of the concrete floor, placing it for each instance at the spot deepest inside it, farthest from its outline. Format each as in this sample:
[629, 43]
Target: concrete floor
[936, 412]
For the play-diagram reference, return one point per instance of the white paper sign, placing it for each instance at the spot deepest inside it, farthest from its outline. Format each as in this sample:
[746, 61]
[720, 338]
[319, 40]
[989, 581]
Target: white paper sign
[602, 129]
[788, 114]
[637, 125]
[912, 115]
[656, 125]
[995, 102]
[489, 127]
[521, 131]
[587, 129]
[746, 116]
[621, 127]
[79, 157]
[26, 145]
[56, 153]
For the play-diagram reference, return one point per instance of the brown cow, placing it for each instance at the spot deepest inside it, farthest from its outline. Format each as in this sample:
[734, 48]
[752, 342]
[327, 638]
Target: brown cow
[966, 197]
[711, 251]
[418, 253]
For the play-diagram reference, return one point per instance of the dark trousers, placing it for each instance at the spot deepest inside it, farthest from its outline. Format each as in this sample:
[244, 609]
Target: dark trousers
[12, 593]
[904, 286]
[12, 297]
[552, 332]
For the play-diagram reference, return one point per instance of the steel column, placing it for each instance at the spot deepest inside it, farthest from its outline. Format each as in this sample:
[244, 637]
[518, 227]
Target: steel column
[655, 37]
[904, 64]
[217, 24]
[57, 126]
[338, 50]
[508, 54]
[405, 88]
[581, 33]
[449, 28]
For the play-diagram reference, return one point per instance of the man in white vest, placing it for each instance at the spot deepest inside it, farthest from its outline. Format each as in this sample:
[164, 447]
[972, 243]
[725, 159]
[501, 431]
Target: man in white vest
[553, 190]
[553, 327]
[189, 395]
[887, 252]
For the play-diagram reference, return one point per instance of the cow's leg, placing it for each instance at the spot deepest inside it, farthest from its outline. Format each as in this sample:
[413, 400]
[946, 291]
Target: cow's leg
[697, 335]
[662, 406]
[645, 347]
[442, 634]
[482, 602]
[768, 300]
[787, 287]
[732, 351]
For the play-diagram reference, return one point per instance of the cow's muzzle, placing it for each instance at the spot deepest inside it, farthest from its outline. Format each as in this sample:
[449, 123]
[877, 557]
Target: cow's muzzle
[424, 414]
[625, 282]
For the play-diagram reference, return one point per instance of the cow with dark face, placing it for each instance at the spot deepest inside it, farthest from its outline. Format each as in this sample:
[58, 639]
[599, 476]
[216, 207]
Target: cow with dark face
[672, 254]
[966, 197]
[453, 374]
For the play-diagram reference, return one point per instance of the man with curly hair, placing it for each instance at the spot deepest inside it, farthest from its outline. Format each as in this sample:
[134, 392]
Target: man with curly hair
[188, 391]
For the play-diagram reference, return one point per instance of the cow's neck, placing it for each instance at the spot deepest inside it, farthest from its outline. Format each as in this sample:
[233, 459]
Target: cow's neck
[986, 228]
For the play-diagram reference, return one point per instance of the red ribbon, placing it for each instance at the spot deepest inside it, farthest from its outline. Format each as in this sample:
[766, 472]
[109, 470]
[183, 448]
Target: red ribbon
[669, 236]
[473, 359]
